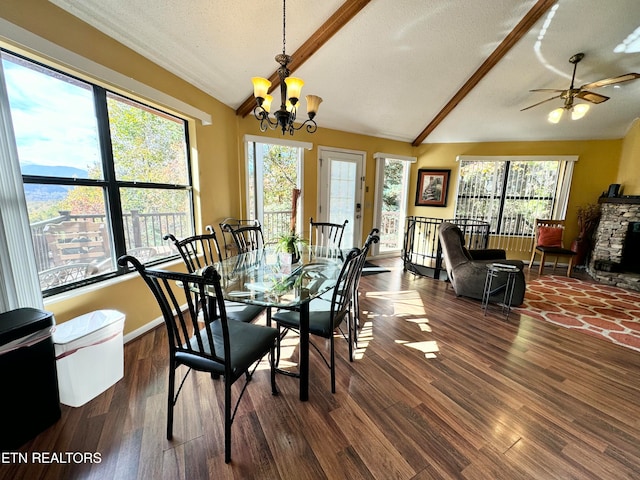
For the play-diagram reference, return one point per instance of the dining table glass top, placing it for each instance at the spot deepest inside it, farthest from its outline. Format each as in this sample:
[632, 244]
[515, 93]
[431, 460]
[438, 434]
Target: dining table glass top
[271, 278]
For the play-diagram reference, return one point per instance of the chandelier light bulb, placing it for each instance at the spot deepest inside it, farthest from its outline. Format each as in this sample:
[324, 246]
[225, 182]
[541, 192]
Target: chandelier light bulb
[266, 103]
[313, 103]
[260, 87]
[294, 87]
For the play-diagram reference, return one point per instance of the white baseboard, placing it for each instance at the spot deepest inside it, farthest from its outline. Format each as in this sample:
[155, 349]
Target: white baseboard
[146, 327]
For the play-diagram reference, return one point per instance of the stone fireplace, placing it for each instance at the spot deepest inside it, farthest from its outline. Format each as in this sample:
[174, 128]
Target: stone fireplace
[614, 259]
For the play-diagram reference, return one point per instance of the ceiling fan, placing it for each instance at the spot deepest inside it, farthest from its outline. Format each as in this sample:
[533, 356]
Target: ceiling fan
[569, 95]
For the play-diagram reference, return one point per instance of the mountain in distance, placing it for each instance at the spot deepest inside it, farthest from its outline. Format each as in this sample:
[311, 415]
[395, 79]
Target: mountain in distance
[53, 171]
[38, 192]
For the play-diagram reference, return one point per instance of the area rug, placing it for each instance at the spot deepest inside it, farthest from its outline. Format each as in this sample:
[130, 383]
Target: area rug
[607, 312]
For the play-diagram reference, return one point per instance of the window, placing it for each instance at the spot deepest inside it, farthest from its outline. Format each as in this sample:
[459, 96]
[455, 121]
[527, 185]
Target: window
[392, 177]
[274, 171]
[510, 193]
[103, 175]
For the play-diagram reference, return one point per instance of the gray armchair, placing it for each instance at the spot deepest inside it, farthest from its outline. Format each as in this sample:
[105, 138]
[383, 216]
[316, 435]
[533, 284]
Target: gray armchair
[467, 269]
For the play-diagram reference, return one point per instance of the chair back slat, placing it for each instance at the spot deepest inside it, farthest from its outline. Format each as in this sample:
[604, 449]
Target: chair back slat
[343, 291]
[226, 227]
[325, 234]
[372, 238]
[193, 330]
[247, 238]
[197, 251]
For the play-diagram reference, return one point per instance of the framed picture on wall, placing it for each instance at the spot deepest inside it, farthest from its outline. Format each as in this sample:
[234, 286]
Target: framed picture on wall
[432, 189]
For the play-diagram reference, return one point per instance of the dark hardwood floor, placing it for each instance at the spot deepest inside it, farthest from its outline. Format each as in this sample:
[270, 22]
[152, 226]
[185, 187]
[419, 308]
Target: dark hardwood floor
[438, 391]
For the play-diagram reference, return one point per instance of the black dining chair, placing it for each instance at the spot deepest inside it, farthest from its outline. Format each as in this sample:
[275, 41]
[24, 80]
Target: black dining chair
[324, 317]
[372, 238]
[245, 237]
[226, 226]
[325, 234]
[220, 347]
[200, 251]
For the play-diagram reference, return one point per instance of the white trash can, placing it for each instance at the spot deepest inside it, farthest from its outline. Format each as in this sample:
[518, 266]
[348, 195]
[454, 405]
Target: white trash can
[89, 355]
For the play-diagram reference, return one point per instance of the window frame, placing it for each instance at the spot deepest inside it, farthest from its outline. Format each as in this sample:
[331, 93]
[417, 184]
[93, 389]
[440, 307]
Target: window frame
[110, 186]
[561, 194]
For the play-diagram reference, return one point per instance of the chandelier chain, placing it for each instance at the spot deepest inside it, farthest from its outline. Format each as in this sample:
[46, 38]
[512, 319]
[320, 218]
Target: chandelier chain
[284, 25]
[284, 118]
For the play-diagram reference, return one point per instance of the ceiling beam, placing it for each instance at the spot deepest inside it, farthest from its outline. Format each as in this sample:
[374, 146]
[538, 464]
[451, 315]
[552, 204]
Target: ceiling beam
[520, 30]
[338, 20]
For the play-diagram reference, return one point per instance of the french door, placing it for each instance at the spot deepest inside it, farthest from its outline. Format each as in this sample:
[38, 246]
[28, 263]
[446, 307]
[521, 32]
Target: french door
[392, 180]
[340, 191]
[274, 171]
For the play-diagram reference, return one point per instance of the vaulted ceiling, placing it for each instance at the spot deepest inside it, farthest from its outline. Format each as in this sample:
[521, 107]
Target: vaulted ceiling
[410, 70]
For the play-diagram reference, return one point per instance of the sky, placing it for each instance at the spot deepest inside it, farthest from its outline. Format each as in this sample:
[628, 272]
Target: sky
[54, 120]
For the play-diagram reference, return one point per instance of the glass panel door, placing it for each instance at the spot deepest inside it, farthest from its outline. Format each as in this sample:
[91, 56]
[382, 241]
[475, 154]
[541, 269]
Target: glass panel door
[392, 178]
[340, 193]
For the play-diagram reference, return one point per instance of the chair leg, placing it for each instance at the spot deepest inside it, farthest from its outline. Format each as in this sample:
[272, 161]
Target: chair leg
[533, 257]
[542, 259]
[350, 335]
[570, 266]
[356, 319]
[227, 420]
[333, 366]
[272, 364]
[170, 400]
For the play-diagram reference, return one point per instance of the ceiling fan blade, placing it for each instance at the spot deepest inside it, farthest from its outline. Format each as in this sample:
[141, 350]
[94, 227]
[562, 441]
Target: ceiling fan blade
[610, 81]
[546, 90]
[540, 103]
[591, 97]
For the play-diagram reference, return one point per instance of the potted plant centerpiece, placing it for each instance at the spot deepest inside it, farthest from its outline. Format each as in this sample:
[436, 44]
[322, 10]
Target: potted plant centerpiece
[291, 243]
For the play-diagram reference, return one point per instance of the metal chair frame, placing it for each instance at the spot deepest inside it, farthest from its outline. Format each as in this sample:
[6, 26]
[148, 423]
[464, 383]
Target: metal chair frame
[326, 234]
[220, 347]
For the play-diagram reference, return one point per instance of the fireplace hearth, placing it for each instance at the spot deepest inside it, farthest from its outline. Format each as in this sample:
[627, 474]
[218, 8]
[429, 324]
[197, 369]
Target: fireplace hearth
[615, 259]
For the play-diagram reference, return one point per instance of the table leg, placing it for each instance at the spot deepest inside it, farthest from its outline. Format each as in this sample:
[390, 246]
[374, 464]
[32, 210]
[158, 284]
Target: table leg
[304, 352]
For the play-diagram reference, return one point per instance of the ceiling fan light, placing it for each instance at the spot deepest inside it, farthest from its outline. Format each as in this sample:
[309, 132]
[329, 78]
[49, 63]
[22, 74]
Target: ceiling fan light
[555, 115]
[579, 111]
[294, 87]
[260, 87]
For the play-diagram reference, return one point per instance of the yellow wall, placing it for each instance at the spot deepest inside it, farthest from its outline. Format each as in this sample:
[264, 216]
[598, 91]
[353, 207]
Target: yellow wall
[218, 154]
[336, 139]
[213, 147]
[629, 171]
[596, 168]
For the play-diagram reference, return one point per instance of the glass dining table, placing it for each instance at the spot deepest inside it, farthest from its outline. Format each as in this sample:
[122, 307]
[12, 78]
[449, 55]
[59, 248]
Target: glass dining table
[273, 279]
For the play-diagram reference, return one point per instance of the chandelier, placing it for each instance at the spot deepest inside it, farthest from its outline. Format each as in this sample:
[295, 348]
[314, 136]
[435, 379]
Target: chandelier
[290, 88]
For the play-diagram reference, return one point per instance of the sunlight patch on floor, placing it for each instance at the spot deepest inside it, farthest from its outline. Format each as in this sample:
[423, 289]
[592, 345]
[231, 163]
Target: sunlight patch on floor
[428, 347]
[407, 304]
[365, 336]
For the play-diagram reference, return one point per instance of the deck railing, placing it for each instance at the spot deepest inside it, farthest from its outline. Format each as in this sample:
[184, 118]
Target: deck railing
[142, 230]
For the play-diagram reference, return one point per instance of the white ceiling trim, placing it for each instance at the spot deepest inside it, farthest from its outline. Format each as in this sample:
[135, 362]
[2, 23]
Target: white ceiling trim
[518, 158]
[393, 156]
[278, 141]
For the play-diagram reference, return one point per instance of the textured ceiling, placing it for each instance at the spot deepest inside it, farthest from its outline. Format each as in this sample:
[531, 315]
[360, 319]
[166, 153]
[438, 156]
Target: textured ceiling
[397, 63]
